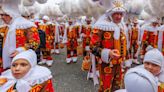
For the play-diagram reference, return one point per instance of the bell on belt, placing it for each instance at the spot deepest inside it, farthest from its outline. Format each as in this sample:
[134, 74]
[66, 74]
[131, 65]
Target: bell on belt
[86, 64]
[123, 38]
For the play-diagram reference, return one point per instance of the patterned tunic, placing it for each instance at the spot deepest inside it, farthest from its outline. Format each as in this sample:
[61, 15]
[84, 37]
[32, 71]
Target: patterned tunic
[110, 73]
[86, 30]
[49, 30]
[150, 37]
[134, 36]
[44, 87]
[28, 38]
[72, 35]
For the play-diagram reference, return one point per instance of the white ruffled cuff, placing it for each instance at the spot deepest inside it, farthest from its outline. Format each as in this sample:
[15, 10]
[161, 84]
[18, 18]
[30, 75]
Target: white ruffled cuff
[20, 49]
[64, 41]
[105, 55]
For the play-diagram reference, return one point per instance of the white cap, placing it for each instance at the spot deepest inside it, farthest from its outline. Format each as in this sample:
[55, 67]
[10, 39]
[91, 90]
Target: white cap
[28, 55]
[46, 18]
[117, 7]
[155, 19]
[10, 7]
[140, 80]
[154, 56]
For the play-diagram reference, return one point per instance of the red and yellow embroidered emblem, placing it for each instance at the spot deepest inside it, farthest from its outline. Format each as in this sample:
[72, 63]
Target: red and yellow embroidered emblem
[20, 38]
[95, 31]
[107, 70]
[36, 88]
[107, 35]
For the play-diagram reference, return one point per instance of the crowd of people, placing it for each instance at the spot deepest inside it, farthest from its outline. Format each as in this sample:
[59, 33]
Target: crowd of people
[119, 54]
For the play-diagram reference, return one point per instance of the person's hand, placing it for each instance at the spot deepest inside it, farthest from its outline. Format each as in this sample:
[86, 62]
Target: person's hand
[14, 54]
[115, 54]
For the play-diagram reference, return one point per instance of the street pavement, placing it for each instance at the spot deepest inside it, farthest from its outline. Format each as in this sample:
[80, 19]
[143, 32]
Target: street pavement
[70, 77]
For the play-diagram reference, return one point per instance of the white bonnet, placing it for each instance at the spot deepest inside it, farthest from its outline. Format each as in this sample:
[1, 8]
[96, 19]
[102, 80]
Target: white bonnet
[28, 55]
[154, 56]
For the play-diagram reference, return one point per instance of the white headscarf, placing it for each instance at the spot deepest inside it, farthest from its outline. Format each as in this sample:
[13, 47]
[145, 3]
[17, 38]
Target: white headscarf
[155, 56]
[45, 17]
[33, 76]
[10, 7]
[140, 80]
